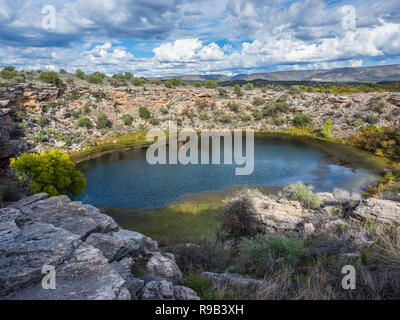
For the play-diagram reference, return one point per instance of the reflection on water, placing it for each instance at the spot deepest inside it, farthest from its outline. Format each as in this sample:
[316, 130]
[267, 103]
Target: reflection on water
[124, 179]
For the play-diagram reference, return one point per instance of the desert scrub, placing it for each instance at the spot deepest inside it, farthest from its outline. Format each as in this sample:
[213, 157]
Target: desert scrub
[144, 113]
[301, 120]
[127, 119]
[258, 101]
[50, 77]
[102, 121]
[266, 253]
[85, 123]
[233, 106]
[302, 193]
[211, 84]
[42, 120]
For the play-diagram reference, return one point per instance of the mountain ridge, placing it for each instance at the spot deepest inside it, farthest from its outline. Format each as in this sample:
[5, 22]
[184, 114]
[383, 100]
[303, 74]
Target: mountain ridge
[347, 74]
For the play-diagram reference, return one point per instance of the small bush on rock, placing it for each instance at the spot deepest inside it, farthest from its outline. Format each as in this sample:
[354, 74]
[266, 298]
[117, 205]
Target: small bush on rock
[302, 193]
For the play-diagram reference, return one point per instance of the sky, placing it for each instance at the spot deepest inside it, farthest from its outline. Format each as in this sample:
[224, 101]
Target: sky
[175, 37]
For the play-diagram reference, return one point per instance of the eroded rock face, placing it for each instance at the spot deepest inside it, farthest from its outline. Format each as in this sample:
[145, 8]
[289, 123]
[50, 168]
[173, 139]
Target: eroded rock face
[382, 210]
[93, 259]
[165, 290]
[164, 267]
[260, 215]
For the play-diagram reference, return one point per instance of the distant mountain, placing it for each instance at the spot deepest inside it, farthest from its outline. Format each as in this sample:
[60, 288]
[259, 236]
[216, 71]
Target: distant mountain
[359, 74]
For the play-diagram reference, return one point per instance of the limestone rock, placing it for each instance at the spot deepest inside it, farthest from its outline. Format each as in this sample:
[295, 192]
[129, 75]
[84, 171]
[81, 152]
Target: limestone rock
[165, 290]
[25, 249]
[382, 210]
[145, 245]
[111, 247]
[75, 217]
[164, 267]
[133, 284]
[87, 275]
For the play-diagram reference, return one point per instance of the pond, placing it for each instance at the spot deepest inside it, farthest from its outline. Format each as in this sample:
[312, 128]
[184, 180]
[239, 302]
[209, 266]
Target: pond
[124, 180]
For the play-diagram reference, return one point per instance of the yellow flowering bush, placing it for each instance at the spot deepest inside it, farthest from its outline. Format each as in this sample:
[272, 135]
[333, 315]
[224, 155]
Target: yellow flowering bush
[51, 172]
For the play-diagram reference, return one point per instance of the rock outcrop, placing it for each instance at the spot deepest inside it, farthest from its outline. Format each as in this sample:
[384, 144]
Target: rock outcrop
[382, 210]
[247, 216]
[92, 257]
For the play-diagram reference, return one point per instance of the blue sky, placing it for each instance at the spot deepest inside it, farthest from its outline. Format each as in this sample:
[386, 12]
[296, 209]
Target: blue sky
[172, 37]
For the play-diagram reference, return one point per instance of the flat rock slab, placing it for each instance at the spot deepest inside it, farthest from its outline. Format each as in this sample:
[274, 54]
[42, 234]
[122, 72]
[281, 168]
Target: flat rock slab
[86, 276]
[24, 250]
[164, 267]
[165, 290]
[74, 217]
[382, 210]
[113, 248]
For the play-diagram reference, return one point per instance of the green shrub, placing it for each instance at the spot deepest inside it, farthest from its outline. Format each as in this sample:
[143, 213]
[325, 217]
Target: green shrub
[127, 119]
[226, 118]
[154, 121]
[8, 73]
[201, 103]
[138, 81]
[50, 77]
[102, 121]
[249, 86]
[294, 89]
[258, 101]
[86, 109]
[279, 121]
[302, 193]
[164, 111]
[96, 78]
[276, 108]
[51, 172]
[173, 82]
[211, 84]
[327, 129]
[301, 120]
[372, 119]
[42, 120]
[238, 90]
[40, 137]
[233, 106]
[144, 113]
[266, 253]
[85, 122]
[80, 74]
[197, 84]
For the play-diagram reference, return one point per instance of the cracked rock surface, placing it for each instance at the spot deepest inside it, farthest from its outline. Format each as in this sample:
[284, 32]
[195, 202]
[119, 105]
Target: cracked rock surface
[93, 258]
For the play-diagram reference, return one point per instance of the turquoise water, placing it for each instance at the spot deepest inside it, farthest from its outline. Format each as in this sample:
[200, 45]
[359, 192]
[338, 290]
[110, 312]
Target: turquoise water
[124, 179]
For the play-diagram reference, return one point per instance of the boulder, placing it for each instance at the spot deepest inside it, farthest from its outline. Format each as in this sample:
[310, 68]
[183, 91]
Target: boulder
[165, 290]
[74, 217]
[87, 275]
[145, 245]
[164, 267]
[24, 249]
[112, 248]
[134, 285]
[395, 100]
[260, 215]
[92, 260]
[382, 210]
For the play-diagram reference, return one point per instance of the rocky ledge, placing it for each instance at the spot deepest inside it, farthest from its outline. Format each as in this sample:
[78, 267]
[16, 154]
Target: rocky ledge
[93, 258]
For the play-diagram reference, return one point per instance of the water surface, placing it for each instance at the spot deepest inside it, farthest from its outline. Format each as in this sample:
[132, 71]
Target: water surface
[124, 179]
